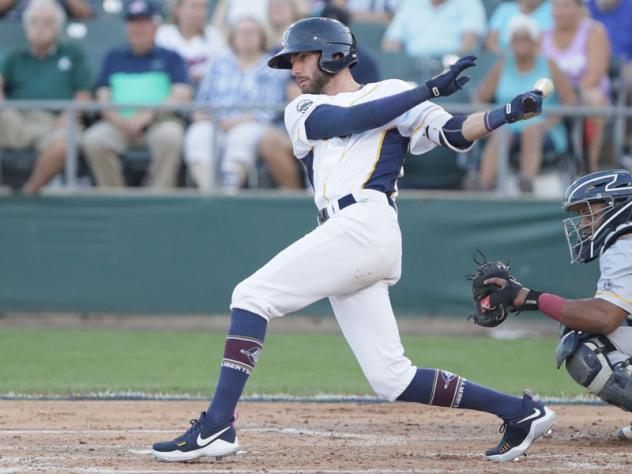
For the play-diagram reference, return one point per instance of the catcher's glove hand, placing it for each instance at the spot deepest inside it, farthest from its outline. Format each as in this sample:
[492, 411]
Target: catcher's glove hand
[494, 290]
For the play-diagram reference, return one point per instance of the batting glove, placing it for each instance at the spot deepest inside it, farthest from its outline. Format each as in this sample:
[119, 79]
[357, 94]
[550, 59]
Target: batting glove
[524, 106]
[448, 81]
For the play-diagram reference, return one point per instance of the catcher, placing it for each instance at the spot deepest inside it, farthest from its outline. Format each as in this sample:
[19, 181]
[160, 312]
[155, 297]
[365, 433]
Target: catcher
[596, 333]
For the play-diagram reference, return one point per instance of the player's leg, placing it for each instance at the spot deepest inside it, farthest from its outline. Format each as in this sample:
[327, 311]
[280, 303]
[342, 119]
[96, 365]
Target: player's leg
[337, 257]
[368, 323]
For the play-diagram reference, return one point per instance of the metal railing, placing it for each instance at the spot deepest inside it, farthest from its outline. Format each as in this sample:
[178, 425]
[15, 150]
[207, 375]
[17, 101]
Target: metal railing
[73, 109]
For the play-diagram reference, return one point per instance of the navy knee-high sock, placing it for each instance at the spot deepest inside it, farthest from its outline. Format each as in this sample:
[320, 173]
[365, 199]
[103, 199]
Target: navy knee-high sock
[241, 351]
[442, 388]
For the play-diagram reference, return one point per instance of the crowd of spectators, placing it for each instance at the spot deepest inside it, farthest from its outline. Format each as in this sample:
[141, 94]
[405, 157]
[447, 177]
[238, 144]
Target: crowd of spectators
[214, 53]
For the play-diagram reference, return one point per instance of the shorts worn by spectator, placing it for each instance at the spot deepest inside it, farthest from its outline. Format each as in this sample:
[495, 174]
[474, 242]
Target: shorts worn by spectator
[498, 35]
[140, 73]
[425, 28]
[581, 49]
[517, 71]
[75, 9]
[44, 70]
[189, 36]
[237, 79]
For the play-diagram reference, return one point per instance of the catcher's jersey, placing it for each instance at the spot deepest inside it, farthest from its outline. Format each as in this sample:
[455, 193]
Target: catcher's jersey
[367, 160]
[615, 286]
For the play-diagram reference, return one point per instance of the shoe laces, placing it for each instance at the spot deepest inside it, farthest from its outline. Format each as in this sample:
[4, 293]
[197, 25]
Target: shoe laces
[196, 426]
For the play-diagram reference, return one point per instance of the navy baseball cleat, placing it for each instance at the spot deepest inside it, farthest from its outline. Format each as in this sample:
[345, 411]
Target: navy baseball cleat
[625, 433]
[521, 432]
[199, 440]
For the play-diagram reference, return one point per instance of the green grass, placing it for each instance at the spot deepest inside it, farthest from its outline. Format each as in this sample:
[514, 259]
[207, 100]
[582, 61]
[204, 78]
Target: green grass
[47, 361]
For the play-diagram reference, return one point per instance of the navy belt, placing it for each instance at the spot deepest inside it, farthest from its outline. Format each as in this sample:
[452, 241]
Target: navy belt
[346, 201]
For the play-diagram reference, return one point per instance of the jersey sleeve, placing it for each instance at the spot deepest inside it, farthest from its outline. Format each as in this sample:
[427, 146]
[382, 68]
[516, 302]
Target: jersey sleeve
[296, 113]
[615, 281]
[423, 125]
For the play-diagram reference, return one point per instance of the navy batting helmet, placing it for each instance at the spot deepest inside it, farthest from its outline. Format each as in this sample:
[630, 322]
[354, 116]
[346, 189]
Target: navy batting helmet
[589, 232]
[324, 35]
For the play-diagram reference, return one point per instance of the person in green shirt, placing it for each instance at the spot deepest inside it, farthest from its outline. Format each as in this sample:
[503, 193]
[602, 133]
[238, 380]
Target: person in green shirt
[43, 70]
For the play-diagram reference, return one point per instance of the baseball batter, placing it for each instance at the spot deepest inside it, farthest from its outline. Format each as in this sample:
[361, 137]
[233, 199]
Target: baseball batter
[596, 342]
[352, 139]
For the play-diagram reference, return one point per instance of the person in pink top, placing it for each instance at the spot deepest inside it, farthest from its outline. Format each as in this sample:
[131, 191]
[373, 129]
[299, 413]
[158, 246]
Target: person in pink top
[581, 49]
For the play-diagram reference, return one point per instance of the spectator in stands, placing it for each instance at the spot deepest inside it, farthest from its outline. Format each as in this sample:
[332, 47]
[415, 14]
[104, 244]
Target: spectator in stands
[426, 28]
[239, 78]
[376, 11]
[43, 70]
[616, 16]
[518, 71]
[367, 70]
[280, 15]
[75, 9]
[497, 40]
[140, 73]
[189, 36]
[227, 12]
[579, 46]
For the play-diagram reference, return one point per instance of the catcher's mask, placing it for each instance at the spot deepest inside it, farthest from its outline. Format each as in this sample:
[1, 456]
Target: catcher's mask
[333, 40]
[587, 232]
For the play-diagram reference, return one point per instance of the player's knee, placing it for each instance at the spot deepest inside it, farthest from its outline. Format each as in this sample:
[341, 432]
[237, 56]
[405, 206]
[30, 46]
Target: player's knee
[590, 368]
[245, 296]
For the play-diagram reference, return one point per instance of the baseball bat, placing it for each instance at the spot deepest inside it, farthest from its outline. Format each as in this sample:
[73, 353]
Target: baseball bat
[543, 85]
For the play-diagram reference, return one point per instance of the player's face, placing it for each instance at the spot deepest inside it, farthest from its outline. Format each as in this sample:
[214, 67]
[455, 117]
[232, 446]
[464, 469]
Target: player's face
[590, 216]
[309, 78]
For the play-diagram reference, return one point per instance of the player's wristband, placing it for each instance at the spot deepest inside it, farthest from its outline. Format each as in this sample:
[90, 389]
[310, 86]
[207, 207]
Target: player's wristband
[531, 301]
[551, 305]
[495, 118]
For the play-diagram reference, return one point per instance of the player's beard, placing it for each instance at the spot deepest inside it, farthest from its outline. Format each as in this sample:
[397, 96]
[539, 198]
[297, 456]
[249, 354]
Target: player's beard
[316, 83]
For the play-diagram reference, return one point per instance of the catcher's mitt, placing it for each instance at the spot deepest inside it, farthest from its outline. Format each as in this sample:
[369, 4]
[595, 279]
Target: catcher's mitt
[493, 303]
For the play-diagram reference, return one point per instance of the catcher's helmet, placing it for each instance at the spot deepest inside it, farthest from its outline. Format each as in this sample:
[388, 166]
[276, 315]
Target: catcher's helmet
[325, 35]
[587, 234]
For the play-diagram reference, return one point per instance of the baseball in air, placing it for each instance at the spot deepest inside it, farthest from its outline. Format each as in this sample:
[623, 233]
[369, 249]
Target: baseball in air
[544, 85]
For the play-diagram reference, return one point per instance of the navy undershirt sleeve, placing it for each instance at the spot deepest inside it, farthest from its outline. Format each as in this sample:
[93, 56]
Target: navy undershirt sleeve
[328, 121]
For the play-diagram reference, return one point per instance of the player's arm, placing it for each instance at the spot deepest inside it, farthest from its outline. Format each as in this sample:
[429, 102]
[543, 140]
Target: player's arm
[328, 121]
[592, 315]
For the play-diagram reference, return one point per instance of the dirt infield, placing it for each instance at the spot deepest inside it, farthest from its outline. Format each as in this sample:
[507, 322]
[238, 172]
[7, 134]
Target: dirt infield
[114, 436]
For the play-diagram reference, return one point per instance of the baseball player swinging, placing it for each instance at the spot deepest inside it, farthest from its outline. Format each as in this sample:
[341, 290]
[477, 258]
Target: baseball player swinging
[352, 139]
[596, 336]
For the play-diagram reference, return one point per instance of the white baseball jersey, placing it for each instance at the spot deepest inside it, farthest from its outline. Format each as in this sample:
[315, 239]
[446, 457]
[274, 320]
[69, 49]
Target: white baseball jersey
[615, 286]
[354, 256]
[368, 160]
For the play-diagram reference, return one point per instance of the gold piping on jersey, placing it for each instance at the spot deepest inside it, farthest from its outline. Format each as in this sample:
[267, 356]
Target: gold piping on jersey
[423, 121]
[615, 296]
[377, 156]
[363, 96]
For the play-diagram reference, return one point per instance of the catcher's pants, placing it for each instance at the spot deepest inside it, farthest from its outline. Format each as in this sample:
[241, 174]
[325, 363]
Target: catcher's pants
[352, 258]
[240, 146]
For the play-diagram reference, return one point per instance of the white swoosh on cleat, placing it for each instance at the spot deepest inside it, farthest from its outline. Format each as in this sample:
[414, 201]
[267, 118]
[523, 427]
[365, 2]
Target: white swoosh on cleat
[536, 412]
[204, 441]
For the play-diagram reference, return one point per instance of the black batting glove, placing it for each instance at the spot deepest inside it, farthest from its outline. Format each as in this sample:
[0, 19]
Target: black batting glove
[448, 81]
[524, 106]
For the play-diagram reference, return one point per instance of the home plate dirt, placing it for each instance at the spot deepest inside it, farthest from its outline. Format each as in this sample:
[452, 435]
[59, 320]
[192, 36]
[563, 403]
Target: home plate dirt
[115, 436]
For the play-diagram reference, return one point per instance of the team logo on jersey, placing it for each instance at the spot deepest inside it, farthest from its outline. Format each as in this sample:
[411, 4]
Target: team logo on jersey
[607, 285]
[304, 105]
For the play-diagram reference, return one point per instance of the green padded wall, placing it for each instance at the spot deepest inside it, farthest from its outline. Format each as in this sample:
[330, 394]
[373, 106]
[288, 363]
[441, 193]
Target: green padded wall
[184, 254]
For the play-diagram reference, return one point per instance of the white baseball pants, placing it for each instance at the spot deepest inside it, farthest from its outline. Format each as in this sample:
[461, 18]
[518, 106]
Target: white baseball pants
[352, 259]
